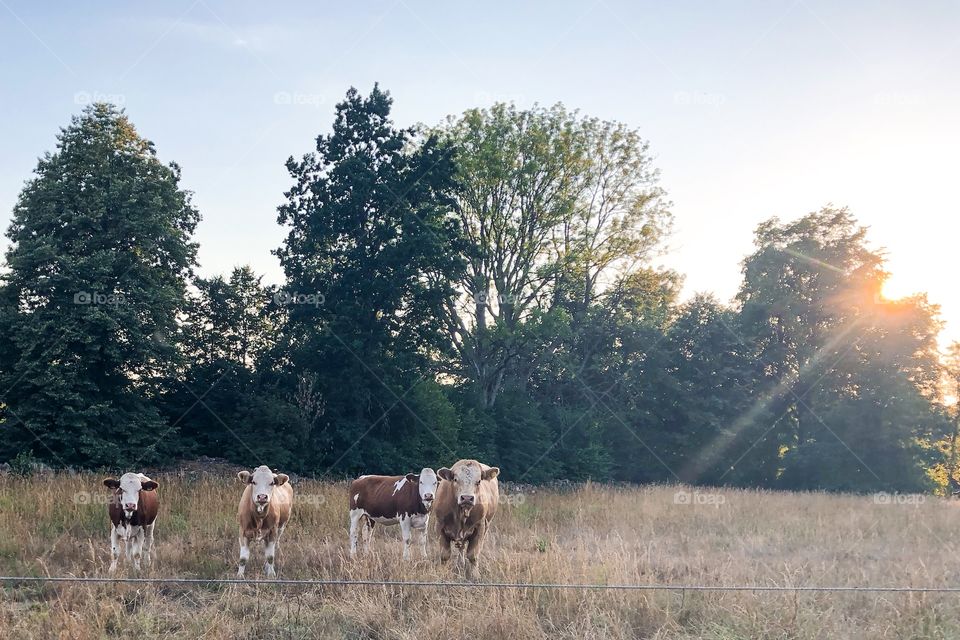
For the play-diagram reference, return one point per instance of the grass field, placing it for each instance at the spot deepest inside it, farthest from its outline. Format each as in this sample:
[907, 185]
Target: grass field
[58, 526]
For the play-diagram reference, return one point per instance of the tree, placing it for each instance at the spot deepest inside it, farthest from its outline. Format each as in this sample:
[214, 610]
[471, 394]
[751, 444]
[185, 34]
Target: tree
[370, 247]
[843, 378]
[100, 252]
[231, 319]
[555, 208]
[952, 374]
[222, 403]
[713, 373]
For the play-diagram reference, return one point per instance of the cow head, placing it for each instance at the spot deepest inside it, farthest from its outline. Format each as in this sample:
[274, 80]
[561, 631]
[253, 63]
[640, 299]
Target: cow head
[427, 482]
[466, 476]
[263, 480]
[127, 490]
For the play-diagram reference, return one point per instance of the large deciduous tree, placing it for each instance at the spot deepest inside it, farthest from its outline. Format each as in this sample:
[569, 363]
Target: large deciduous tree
[100, 250]
[371, 246]
[844, 378]
[556, 209]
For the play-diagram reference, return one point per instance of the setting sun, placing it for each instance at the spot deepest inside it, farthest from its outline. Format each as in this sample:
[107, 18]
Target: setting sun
[895, 288]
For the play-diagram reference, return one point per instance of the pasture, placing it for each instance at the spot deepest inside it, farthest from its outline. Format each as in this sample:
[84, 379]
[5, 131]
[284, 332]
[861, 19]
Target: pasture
[57, 525]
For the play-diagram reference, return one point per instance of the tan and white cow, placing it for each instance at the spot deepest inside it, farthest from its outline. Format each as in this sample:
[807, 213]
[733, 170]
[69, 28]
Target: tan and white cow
[466, 502]
[265, 508]
[133, 509]
[388, 500]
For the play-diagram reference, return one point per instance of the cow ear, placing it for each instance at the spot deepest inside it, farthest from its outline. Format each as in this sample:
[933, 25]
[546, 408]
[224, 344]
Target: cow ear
[111, 483]
[413, 477]
[445, 474]
[245, 476]
[491, 473]
[280, 479]
[149, 485]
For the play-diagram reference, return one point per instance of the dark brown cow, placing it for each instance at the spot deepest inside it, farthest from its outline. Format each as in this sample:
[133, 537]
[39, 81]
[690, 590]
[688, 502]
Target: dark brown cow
[466, 503]
[403, 500]
[133, 512]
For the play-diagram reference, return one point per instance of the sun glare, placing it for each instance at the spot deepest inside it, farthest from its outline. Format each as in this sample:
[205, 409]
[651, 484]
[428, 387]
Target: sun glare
[895, 288]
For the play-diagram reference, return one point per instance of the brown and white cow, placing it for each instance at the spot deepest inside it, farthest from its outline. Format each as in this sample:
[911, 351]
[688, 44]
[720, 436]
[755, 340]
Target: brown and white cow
[404, 500]
[133, 509]
[466, 503]
[265, 508]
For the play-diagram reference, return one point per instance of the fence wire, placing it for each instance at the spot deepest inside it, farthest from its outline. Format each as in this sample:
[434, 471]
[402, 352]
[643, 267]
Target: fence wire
[473, 585]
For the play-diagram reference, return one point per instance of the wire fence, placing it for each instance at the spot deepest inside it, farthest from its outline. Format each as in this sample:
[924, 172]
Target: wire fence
[473, 585]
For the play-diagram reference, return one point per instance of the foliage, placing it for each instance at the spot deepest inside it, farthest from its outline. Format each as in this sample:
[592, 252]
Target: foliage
[370, 247]
[487, 289]
[96, 275]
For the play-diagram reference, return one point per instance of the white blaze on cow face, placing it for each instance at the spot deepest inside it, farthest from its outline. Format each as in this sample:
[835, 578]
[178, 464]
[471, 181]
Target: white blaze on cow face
[128, 491]
[428, 486]
[466, 481]
[263, 480]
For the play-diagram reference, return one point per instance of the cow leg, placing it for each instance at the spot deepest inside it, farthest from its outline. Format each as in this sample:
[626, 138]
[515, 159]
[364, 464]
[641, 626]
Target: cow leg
[128, 544]
[147, 543]
[473, 551]
[356, 521]
[244, 554]
[270, 550]
[114, 548]
[367, 533]
[406, 532]
[423, 536]
[423, 542]
[136, 542]
[444, 548]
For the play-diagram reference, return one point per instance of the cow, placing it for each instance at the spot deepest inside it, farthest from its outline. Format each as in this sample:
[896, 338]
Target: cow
[466, 503]
[133, 509]
[404, 500]
[264, 511]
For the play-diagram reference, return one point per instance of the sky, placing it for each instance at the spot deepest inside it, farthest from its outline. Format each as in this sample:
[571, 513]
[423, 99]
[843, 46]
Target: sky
[752, 109]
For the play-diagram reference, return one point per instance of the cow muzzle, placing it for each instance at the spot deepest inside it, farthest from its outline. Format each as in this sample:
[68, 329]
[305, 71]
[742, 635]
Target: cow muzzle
[467, 501]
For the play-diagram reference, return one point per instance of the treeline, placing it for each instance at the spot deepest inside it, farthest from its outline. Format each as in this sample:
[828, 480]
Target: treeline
[484, 288]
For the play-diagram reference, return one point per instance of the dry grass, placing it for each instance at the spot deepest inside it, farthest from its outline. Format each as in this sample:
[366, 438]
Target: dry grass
[595, 534]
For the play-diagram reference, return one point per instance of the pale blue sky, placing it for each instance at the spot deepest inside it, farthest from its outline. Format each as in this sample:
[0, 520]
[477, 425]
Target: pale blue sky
[752, 109]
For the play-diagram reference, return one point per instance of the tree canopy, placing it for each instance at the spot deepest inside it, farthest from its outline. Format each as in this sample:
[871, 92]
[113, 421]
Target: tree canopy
[485, 288]
[95, 277]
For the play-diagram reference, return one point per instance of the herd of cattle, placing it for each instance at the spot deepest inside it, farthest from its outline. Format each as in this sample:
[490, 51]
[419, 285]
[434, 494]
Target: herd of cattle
[463, 500]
